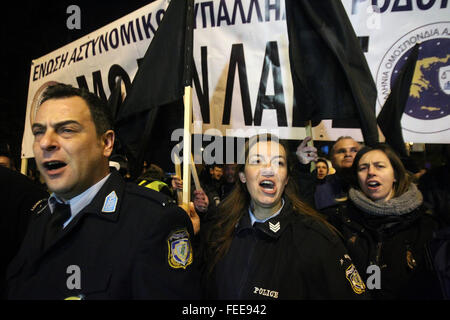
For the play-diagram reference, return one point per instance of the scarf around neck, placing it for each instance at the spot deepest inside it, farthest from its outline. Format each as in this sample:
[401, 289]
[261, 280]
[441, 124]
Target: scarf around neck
[403, 204]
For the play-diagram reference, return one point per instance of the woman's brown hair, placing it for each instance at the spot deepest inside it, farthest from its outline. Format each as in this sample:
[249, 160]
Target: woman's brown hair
[234, 206]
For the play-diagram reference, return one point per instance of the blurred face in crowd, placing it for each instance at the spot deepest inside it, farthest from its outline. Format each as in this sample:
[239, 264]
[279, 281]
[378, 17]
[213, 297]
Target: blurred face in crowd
[322, 170]
[376, 175]
[229, 173]
[5, 162]
[216, 173]
[69, 154]
[344, 152]
[265, 176]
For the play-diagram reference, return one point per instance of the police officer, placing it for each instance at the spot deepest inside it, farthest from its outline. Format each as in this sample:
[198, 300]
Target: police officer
[265, 243]
[97, 237]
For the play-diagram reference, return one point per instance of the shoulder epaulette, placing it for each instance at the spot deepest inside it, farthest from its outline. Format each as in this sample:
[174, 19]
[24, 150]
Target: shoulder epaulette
[317, 227]
[39, 206]
[159, 197]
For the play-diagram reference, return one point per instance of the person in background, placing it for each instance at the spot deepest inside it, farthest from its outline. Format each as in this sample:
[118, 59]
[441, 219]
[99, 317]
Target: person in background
[6, 158]
[153, 178]
[198, 196]
[386, 227]
[435, 187]
[327, 195]
[213, 187]
[19, 196]
[265, 243]
[229, 177]
[321, 168]
[120, 163]
[97, 236]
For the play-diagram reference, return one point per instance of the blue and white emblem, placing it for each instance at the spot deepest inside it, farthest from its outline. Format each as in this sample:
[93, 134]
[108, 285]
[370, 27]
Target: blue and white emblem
[110, 203]
[444, 78]
[180, 249]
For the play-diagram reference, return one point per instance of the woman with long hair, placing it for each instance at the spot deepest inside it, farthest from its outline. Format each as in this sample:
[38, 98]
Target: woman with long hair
[263, 242]
[386, 227]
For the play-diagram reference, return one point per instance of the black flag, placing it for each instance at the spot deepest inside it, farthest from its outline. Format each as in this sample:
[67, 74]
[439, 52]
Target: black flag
[153, 107]
[390, 116]
[330, 74]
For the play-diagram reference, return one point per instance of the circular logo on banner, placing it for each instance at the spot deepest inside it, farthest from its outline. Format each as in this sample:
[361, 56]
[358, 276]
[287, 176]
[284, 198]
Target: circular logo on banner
[428, 107]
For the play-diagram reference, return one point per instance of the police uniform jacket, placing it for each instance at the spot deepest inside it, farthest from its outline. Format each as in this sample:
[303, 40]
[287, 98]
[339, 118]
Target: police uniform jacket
[397, 245]
[137, 248]
[290, 256]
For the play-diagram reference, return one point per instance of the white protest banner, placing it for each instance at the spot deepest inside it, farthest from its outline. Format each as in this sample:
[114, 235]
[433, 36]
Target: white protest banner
[95, 60]
[390, 29]
[235, 45]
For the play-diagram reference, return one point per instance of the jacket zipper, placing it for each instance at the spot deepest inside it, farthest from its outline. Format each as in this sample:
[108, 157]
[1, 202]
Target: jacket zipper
[377, 258]
[244, 278]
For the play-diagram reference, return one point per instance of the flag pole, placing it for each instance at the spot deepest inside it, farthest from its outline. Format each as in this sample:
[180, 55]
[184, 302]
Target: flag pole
[187, 99]
[187, 147]
[24, 166]
[308, 129]
[194, 174]
[178, 173]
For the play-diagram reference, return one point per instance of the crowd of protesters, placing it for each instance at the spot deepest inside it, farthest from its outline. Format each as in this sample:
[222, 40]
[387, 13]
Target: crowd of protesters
[353, 224]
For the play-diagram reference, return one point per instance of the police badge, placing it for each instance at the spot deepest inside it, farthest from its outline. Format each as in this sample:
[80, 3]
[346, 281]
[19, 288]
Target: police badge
[180, 249]
[355, 280]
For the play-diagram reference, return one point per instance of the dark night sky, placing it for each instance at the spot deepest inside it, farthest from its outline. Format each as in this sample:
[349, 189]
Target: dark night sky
[31, 29]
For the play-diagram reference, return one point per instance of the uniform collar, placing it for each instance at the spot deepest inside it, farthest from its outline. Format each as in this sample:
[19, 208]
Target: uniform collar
[253, 219]
[80, 201]
[273, 227]
[106, 203]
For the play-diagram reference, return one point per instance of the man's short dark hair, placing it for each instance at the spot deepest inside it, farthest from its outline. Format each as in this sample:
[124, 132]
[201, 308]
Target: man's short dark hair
[100, 112]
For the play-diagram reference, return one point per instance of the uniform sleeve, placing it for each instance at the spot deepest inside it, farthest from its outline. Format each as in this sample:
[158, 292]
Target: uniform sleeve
[338, 275]
[164, 266]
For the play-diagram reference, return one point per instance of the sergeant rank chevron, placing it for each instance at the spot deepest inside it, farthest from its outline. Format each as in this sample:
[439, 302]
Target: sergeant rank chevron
[274, 227]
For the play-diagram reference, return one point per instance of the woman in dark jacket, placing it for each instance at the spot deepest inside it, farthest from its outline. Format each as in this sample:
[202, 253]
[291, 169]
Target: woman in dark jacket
[265, 243]
[386, 227]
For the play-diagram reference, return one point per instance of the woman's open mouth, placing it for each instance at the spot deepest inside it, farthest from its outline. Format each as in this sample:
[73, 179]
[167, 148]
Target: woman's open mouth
[268, 186]
[373, 185]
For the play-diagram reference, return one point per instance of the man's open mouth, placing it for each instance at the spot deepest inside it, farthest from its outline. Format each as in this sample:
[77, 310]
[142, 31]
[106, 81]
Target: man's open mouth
[54, 165]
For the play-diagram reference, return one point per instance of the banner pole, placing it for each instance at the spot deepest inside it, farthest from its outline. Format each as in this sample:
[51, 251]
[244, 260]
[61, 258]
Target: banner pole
[308, 129]
[178, 173]
[194, 174]
[187, 147]
[24, 166]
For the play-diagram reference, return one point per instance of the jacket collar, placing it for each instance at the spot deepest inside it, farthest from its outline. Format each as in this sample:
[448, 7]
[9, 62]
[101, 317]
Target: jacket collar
[105, 205]
[273, 227]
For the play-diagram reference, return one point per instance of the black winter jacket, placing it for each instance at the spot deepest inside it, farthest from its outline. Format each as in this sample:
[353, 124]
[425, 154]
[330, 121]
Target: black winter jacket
[396, 244]
[290, 256]
[139, 250]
